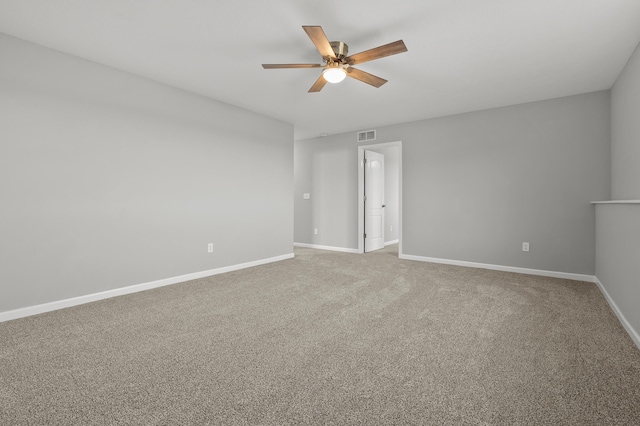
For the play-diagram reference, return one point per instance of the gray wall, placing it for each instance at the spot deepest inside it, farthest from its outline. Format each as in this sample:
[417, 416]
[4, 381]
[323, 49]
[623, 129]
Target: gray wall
[327, 169]
[109, 180]
[476, 185]
[618, 225]
[625, 132]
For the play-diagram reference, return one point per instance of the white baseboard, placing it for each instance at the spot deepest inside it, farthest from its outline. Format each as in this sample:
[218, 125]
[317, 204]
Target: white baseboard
[319, 247]
[66, 303]
[541, 272]
[388, 243]
[632, 333]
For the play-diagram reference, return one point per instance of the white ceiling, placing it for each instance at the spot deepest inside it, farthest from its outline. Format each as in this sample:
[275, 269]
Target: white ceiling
[464, 55]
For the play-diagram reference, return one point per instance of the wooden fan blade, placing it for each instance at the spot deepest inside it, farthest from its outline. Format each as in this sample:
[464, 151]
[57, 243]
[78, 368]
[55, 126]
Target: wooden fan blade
[377, 52]
[274, 66]
[365, 77]
[318, 85]
[320, 40]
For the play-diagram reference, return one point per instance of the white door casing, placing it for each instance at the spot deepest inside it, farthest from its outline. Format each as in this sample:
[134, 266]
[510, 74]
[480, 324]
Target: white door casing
[373, 201]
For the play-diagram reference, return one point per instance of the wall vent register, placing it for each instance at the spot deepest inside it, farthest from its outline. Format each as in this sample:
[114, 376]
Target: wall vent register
[367, 135]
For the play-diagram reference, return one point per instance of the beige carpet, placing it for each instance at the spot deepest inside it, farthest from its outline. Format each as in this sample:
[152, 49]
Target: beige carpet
[328, 338]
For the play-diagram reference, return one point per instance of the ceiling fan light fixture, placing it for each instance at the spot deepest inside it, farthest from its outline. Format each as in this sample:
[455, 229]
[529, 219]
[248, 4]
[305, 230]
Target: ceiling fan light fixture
[334, 74]
[337, 65]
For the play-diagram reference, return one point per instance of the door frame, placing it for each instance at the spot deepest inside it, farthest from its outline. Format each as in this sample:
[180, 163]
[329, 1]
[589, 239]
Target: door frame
[361, 150]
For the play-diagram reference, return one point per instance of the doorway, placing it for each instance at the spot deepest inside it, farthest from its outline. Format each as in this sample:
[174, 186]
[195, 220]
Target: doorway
[392, 200]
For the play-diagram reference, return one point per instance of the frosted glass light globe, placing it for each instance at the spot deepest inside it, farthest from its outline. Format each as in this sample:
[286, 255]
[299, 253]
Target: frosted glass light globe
[334, 75]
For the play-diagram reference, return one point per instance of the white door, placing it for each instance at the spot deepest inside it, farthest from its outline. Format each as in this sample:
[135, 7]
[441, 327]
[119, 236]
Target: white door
[373, 201]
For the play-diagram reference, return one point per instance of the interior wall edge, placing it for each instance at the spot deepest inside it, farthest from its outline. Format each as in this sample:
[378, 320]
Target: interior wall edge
[635, 336]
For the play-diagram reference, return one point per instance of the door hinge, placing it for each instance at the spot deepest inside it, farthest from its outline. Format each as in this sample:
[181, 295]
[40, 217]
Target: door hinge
[364, 198]
[365, 235]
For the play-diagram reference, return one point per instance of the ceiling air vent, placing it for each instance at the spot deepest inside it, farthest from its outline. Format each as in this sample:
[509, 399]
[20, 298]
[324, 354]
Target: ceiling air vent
[367, 135]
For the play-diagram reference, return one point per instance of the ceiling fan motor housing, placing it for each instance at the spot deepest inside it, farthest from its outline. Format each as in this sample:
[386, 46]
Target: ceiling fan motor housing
[340, 49]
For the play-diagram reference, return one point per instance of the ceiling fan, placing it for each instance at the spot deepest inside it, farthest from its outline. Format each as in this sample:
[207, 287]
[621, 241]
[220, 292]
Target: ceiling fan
[337, 65]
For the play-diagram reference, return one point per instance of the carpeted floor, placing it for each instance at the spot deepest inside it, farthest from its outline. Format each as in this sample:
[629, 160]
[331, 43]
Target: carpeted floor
[328, 338]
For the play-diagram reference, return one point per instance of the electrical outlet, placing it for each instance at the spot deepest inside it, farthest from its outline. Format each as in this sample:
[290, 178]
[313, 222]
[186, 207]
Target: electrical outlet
[210, 248]
[315, 231]
[525, 246]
